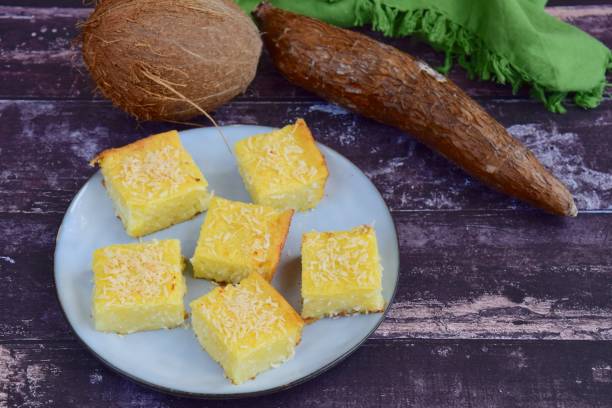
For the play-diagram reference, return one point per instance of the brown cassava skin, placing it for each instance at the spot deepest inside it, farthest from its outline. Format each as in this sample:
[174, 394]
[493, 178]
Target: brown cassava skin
[170, 59]
[391, 87]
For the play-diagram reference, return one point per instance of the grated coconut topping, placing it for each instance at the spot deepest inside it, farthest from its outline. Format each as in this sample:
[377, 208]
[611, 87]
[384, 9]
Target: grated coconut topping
[131, 274]
[249, 224]
[341, 259]
[282, 156]
[158, 172]
[240, 311]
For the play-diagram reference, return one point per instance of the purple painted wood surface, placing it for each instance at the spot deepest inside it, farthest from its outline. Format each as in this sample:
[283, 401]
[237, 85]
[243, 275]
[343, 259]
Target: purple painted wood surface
[431, 374]
[465, 275]
[40, 58]
[498, 304]
[410, 176]
[79, 3]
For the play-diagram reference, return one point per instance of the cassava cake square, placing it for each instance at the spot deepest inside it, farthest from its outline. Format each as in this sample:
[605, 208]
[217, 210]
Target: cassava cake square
[154, 183]
[138, 286]
[283, 169]
[247, 328]
[341, 273]
[237, 238]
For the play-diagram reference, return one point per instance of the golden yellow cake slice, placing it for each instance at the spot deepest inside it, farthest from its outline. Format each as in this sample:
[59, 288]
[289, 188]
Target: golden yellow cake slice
[154, 183]
[283, 169]
[247, 328]
[138, 286]
[341, 273]
[237, 238]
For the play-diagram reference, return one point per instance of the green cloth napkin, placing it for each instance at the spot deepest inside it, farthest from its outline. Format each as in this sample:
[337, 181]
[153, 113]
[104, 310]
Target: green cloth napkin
[507, 41]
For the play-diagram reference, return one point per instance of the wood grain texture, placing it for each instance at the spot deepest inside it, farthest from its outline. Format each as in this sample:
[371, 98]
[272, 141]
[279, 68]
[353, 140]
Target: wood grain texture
[475, 265]
[433, 374]
[80, 3]
[39, 59]
[483, 275]
[47, 145]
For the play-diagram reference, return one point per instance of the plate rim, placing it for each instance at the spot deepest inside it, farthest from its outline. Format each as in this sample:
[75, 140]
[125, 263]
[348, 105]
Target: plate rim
[237, 395]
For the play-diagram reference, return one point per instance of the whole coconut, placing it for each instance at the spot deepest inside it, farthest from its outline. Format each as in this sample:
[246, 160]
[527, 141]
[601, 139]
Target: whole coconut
[164, 59]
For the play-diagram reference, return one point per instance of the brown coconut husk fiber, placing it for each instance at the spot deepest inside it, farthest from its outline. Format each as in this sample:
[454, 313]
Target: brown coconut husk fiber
[170, 59]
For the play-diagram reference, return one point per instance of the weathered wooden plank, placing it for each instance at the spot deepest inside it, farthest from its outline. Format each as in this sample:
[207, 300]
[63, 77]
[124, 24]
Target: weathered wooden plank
[81, 3]
[495, 274]
[391, 374]
[29, 303]
[505, 275]
[38, 58]
[489, 275]
[47, 144]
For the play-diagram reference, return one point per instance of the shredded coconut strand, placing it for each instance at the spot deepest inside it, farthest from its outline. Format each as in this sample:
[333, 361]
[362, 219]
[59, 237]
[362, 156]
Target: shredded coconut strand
[281, 156]
[341, 258]
[239, 313]
[136, 274]
[158, 172]
[248, 224]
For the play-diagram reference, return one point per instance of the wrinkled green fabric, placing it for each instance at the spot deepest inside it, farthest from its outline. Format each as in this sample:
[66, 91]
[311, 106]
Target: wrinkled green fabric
[508, 41]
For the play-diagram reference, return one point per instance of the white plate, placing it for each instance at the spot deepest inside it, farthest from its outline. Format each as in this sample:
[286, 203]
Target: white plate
[172, 360]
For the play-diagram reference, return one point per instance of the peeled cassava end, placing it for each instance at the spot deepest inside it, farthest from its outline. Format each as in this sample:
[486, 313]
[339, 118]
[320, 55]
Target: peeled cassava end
[170, 59]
